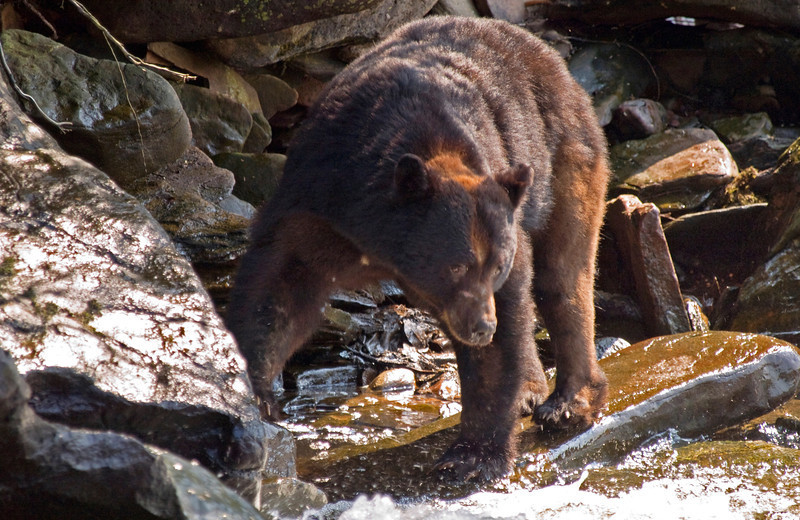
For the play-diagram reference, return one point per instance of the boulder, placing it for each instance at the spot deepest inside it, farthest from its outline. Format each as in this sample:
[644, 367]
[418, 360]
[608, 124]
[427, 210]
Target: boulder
[126, 120]
[95, 297]
[274, 94]
[692, 384]
[52, 471]
[639, 118]
[142, 21]
[192, 201]
[677, 170]
[366, 25]
[219, 124]
[257, 175]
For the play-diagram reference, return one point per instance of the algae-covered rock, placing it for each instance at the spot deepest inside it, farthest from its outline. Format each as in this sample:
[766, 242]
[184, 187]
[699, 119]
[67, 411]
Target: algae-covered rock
[125, 120]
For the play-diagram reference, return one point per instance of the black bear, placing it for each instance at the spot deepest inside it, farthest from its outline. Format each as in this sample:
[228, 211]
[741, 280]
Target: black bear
[458, 157]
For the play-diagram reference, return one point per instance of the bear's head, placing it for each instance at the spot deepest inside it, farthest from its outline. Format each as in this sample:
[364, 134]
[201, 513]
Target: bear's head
[459, 239]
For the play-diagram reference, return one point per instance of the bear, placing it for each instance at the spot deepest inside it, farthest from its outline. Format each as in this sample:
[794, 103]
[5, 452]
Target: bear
[460, 159]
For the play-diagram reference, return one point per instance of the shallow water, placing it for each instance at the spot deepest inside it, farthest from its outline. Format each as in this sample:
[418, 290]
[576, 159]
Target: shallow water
[349, 448]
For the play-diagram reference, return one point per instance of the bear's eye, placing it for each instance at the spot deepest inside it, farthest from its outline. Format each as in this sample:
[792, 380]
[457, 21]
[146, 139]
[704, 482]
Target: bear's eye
[498, 271]
[457, 271]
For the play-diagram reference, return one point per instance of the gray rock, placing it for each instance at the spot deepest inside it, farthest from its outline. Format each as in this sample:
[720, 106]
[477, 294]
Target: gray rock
[289, 498]
[639, 118]
[219, 124]
[676, 170]
[611, 74]
[368, 24]
[260, 135]
[187, 20]
[52, 471]
[92, 288]
[274, 94]
[716, 380]
[257, 175]
[128, 127]
[192, 201]
[742, 128]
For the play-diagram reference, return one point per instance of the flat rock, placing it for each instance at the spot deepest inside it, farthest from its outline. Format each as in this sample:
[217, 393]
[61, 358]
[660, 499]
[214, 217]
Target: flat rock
[692, 384]
[128, 127]
[366, 25]
[676, 170]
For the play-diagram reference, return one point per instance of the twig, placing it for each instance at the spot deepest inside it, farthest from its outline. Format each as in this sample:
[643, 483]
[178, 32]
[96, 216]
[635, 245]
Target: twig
[41, 18]
[171, 74]
[62, 127]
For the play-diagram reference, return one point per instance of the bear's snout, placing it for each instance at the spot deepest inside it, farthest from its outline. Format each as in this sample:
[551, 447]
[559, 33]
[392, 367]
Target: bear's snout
[483, 331]
[471, 319]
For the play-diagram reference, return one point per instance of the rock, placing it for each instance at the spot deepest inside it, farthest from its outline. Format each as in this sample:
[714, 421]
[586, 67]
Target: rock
[455, 8]
[394, 380]
[692, 384]
[221, 78]
[611, 74]
[509, 10]
[187, 198]
[145, 21]
[767, 301]
[366, 25]
[639, 118]
[734, 129]
[610, 345]
[257, 175]
[219, 124]
[274, 94]
[644, 250]
[52, 471]
[676, 170]
[127, 127]
[289, 498]
[320, 379]
[260, 135]
[92, 289]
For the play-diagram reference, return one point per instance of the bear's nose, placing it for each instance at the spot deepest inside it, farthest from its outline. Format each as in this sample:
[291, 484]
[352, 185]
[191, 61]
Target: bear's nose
[483, 331]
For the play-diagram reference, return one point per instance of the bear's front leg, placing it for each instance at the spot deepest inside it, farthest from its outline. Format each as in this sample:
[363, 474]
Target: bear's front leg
[498, 382]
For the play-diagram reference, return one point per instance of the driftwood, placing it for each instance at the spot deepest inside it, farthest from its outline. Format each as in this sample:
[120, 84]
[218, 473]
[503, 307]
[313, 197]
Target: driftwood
[758, 13]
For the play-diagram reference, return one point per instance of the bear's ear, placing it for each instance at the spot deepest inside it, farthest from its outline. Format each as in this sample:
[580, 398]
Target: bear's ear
[412, 180]
[516, 180]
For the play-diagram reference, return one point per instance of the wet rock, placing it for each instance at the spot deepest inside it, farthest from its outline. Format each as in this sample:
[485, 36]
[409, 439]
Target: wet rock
[52, 471]
[257, 175]
[455, 8]
[609, 345]
[742, 128]
[187, 198]
[509, 10]
[153, 20]
[274, 94]
[639, 118]
[219, 124]
[394, 380]
[644, 250]
[611, 74]
[698, 321]
[767, 301]
[676, 170]
[92, 287]
[366, 25]
[127, 127]
[693, 384]
[320, 379]
[289, 498]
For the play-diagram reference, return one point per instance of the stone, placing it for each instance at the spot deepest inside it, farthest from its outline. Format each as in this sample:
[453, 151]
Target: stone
[257, 175]
[677, 170]
[639, 118]
[767, 300]
[95, 297]
[145, 21]
[692, 384]
[455, 8]
[260, 135]
[128, 127]
[644, 250]
[320, 379]
[394, 380]
[366, 25]
[219, 124]
[611, 74]
[509, 10]
[187, 199]
[221, 78]
[274, 94]
[52, 471]
[742, 128]
[289, 498]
